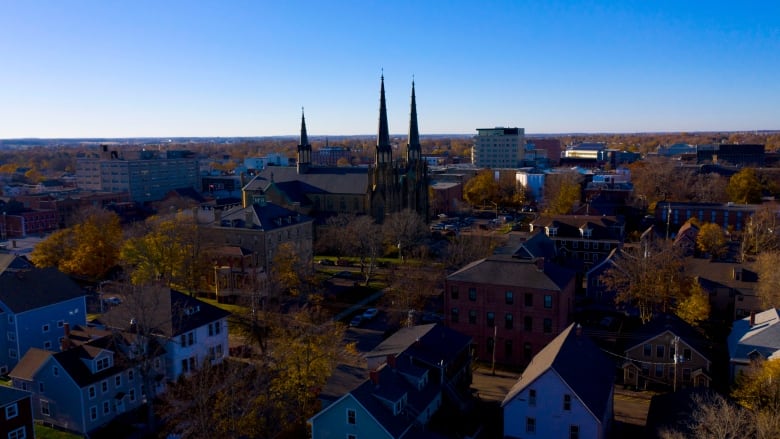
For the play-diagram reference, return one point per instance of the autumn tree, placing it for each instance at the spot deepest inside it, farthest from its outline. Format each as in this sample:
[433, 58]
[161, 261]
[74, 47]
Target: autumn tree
[90, 248]
[404, 229]
[711, 240]
[648, 278]
[761, 232]
[481, 188]
[768, 288]
[745, 187]
[758, 389]
[694, 305]
[168, 251]
[561, 192]
[290, 274]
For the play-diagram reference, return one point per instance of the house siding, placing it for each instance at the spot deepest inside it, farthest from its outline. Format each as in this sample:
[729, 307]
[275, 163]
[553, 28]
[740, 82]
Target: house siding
[200, 349]
[332, 423]
[552, 421]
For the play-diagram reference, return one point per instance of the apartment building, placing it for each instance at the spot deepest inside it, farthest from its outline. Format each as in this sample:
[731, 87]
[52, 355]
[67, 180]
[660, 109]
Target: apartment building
[498, 147]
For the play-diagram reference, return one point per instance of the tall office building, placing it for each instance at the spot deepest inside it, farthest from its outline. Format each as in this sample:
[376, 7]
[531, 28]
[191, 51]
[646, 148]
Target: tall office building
[498, 147]
[145, 175]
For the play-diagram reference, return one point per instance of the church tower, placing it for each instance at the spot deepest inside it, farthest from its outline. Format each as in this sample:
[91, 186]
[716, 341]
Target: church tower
[304, 148]
[384, 151]
[413, 149]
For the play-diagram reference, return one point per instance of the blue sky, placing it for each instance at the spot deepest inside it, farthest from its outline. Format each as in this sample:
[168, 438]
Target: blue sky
[110, 68]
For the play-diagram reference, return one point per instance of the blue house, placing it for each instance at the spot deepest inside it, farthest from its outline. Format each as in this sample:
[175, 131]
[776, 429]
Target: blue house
[35, 304]
[92, 380]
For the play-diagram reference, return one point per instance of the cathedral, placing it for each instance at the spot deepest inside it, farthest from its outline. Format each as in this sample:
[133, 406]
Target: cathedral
[387, 186]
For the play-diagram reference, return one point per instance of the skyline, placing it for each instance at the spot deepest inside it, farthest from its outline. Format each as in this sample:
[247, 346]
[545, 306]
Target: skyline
[244, 69]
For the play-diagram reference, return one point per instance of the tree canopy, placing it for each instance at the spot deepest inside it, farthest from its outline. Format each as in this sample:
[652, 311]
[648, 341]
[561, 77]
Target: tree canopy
[744, 187]
[481, 188]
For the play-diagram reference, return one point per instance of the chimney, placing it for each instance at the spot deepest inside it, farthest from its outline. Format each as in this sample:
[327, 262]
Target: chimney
[373, 375]
[752, 318]
[539, 262]
[391, 360]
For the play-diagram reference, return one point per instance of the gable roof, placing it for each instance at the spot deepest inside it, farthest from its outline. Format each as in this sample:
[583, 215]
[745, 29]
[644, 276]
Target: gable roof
[570, 226]
[430, 343]
[10, 395]
[28, 288]
[169, 312]
[580, 364]
[266, 217]
[514, 272]
[673, 324]
[351, 180]
[763, 337]
[30, 363]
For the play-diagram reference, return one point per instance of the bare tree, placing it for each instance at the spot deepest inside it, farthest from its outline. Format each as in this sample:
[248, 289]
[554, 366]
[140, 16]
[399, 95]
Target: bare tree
[768, 278]
[404, 229]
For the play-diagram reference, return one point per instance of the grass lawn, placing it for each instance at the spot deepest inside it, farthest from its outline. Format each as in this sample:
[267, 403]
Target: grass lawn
[42, 432]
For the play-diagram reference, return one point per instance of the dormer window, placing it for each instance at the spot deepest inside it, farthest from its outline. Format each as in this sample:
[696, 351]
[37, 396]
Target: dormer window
[103, 363]
[586, 233]
[551, 231]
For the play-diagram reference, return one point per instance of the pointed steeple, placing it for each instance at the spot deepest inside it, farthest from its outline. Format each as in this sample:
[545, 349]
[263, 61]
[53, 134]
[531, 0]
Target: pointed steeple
[304, 148]
[413, 149]
[383, 148]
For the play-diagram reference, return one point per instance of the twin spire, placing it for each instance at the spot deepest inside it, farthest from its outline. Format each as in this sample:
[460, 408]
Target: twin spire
[384, 150]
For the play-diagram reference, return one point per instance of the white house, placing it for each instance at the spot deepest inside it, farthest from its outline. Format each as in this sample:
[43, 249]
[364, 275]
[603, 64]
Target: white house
[566, 392]
[756, 337]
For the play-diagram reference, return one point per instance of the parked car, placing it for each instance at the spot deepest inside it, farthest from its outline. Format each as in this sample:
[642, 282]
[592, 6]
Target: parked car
[326, 262]
[356, 321]
[370, 313]
[113, 300]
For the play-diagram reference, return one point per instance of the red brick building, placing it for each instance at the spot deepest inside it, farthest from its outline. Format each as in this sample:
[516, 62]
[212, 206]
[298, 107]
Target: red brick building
[512, 305]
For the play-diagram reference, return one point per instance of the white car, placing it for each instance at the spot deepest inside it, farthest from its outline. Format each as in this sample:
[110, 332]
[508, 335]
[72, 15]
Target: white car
[370, 313]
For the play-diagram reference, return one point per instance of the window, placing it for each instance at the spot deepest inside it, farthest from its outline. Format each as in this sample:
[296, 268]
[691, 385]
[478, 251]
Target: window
[508, 348]
[60, 323]
[130, 375]
[509, 298]
[118, 380]
[574, 432]
[191, 338]
[454, 316]
[41, 387]
[659, 370]
[491, 319]
[106, 407]
[104, 386]
[45, 408]
[351, 414]
[529, 299]
[567, 402]
[548, 301]
[648, 349]
[659, 351]
[11, 336]
[55, 371]
[91, 392]
[12, 353]
[686, 375]
[453, 292]
[19, 433]
[45, 328]
[547, 326]
[93, 413]
[687, 354]
[532, 397]
[131, 393]
[527, 351]
[530, 425]
[351, 436]
[11, 411]
[508, 320]
[473, 317]
[490, 345]
[47, 345]
[102, 363]
[473, 294]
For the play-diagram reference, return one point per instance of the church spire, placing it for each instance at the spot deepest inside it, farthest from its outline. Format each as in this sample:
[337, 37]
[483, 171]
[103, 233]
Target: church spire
[304, 148]
[383, 148]
[413, 149]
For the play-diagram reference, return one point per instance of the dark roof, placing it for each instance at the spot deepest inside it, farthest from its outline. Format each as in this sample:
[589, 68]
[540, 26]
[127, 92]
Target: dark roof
[514, 272]
[9, 395]
[569, 226]
[539, 245]
[30, 288]
[167, 311]
[326, 179]
[580, 363]
[669, 322]
[430, 343]
[266, 217]
[188, 192]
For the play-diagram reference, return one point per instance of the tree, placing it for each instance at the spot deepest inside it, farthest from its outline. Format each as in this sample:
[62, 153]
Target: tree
[711, 240]
[695, 307]
[410, 286]
[761, 232]
[404, 230]
[758, 389]
[745, 187]
[713, 417]
[768, 289]
[466, 248]
[89, 249]
[561, 192]
[365, 243]
[481, 188]
[289, 272]
[649, 278]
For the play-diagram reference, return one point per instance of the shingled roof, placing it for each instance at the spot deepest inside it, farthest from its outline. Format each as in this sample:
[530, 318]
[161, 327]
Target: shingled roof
[326, 179]
[23, 287]
[514, 272]
[579, 363]
[763, 337]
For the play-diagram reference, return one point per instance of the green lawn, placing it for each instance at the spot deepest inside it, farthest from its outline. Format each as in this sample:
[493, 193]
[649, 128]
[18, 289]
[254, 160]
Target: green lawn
[42, 432]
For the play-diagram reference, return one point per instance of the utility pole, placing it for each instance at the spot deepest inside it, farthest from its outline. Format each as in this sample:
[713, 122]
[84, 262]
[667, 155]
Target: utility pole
[676, 344]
